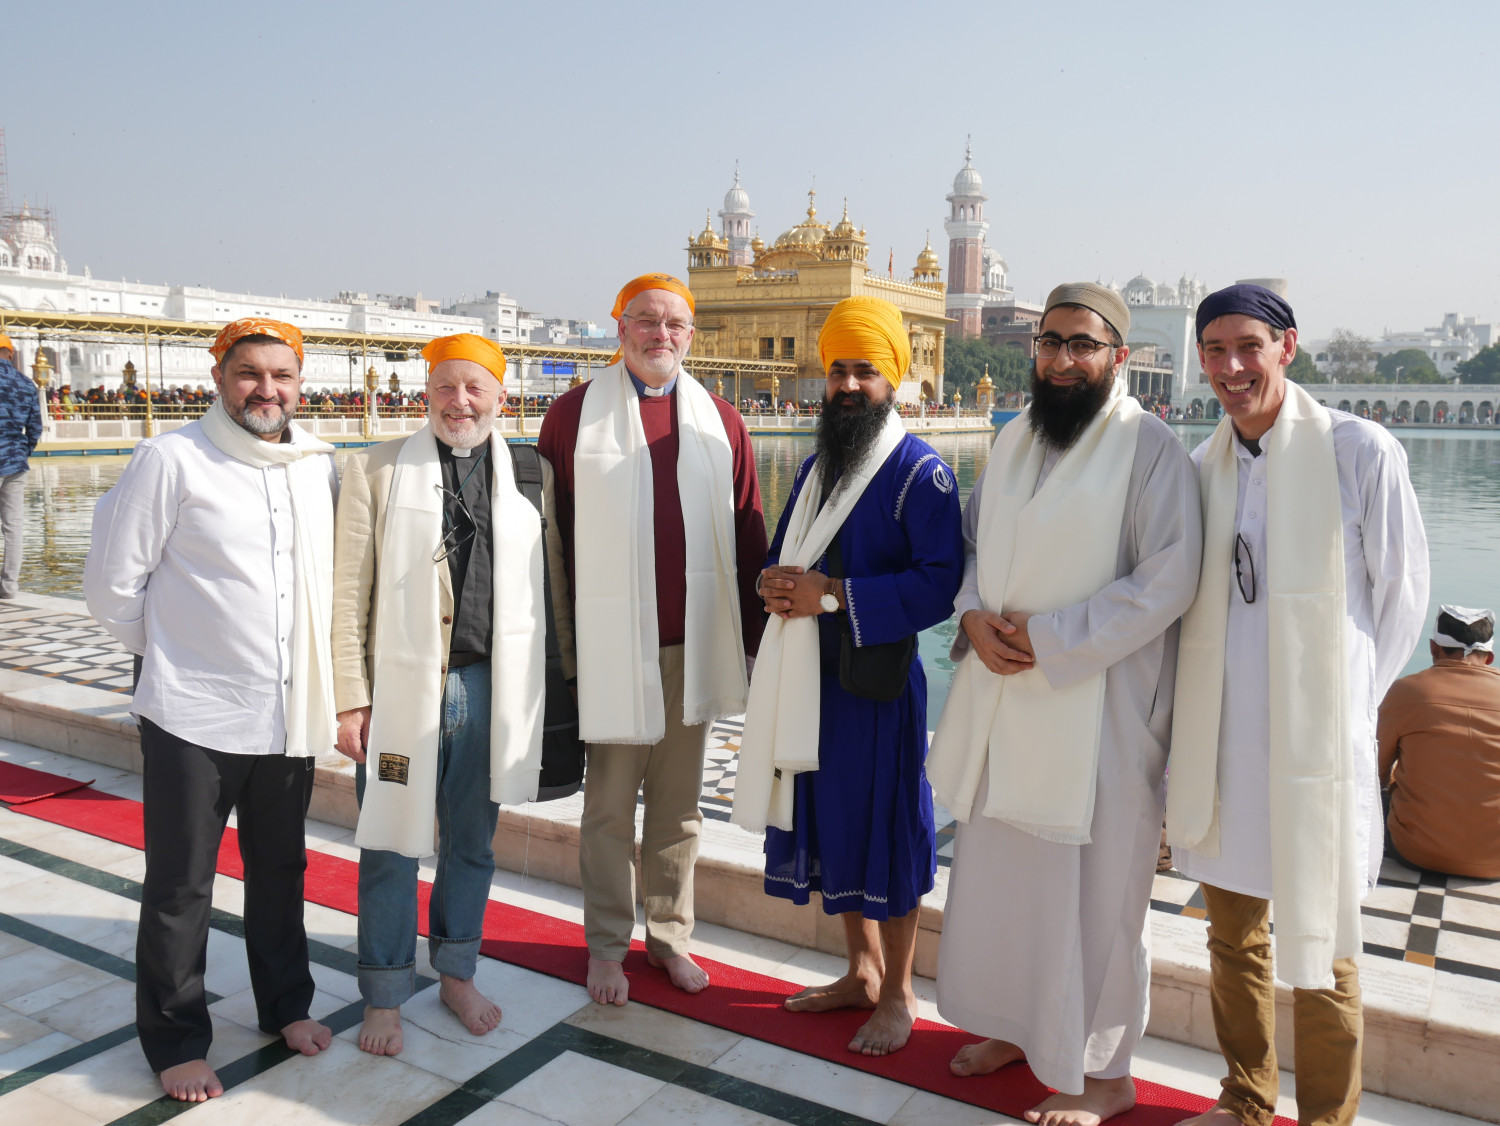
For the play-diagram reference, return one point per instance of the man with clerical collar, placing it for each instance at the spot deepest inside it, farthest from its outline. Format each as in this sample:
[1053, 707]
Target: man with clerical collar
[1083, 540]
[659, 510]
[1312, 595]
[439, 628]
[1439, 736]
[20, 431]
[211, 561]
[868, 553]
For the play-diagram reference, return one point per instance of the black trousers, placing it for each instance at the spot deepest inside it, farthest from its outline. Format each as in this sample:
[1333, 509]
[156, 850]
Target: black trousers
[189, 791]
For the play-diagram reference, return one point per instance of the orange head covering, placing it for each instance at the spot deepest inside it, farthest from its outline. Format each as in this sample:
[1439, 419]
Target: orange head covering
[466, 346]
[636, 286]
[866, 328]
[5, 342]
[235, 331]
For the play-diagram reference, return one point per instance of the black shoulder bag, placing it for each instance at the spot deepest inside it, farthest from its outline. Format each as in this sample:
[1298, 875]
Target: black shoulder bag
[873, 672]
[562, 749]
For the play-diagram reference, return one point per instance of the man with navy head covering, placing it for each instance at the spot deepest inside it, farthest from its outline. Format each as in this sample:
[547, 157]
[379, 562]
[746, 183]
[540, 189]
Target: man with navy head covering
[1311, 598]
[1440, 751]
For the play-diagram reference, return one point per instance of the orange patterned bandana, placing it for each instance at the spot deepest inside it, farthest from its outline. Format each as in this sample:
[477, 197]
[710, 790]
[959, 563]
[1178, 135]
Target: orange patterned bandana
[235, 331]
[466, 346]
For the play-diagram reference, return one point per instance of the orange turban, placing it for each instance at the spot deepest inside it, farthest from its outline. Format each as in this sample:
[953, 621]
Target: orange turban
[866, 328]
[637, 286]
[5, 342]
[466, 346]
[235, 331]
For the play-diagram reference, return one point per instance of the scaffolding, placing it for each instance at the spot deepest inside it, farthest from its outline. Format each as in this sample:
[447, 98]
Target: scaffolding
[11, 218]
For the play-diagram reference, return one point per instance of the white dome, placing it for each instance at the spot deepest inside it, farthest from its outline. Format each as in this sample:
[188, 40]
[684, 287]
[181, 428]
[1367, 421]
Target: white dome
[736, 199]
[967, 182]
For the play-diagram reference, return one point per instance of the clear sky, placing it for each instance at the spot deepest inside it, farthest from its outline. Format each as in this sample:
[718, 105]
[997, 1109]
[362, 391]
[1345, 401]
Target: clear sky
[553, 150]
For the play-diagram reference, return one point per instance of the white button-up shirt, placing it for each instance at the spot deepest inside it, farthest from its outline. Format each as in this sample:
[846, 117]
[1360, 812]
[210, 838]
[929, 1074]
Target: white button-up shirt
[1386, 586]
[191, 568]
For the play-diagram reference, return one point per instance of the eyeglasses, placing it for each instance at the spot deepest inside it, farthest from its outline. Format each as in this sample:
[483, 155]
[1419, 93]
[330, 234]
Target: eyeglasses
[1079, 347]
[454, 535]
[649, 325]
[1239, 574]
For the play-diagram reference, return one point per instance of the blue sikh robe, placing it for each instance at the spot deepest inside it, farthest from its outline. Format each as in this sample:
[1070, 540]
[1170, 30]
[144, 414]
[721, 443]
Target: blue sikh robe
[863, 832]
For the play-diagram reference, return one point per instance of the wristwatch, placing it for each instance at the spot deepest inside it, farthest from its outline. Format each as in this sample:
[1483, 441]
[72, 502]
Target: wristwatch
[829, 602]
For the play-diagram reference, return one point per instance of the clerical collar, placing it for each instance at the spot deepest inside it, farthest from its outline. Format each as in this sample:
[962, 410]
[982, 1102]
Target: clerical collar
[651, 392]
[454, 451]
[1251, 444]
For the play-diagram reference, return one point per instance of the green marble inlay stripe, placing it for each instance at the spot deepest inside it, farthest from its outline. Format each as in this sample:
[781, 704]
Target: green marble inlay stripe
[345, 961]
[68, 947]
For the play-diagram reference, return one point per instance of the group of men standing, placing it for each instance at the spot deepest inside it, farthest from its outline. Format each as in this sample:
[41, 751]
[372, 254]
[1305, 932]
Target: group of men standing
[1266, 595]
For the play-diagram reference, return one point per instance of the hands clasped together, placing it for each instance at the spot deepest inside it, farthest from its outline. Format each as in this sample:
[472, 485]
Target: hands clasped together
[1002, 641]
[793, 592]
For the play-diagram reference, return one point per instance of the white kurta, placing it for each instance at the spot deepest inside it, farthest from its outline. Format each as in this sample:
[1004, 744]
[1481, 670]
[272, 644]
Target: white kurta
[190, 567]
[1386, 584]
[1044, 944]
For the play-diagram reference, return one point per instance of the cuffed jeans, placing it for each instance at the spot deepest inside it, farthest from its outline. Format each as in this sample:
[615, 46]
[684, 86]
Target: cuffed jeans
[13, 529]
[1327, 1024]
[466, 821]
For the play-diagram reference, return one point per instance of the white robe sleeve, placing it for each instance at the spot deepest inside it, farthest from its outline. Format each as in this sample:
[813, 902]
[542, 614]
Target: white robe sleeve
[132, 523]
[1395, 550]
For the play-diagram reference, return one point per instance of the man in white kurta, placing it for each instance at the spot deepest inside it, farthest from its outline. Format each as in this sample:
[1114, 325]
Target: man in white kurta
[1043, 946]
[1247, 336]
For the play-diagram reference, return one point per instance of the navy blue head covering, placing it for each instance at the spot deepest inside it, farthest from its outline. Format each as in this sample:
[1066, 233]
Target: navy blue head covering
[1252, 300]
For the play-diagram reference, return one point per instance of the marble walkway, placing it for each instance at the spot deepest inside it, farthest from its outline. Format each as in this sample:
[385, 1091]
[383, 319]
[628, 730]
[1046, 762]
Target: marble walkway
[68, 1055]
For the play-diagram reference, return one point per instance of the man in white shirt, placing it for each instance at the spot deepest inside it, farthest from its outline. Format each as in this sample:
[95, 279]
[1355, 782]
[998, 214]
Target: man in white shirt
[1312, 595]
[212, 560]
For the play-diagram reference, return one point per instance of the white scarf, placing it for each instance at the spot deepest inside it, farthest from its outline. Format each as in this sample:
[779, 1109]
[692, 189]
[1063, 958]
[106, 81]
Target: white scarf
[1039, 550]
[311, 719]
[407, 692]
[1315, 873]
[780, 739]
[614, 565]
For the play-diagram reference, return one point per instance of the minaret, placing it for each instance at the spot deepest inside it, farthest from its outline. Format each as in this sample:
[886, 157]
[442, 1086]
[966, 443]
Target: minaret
[736, 218]
[966, 227]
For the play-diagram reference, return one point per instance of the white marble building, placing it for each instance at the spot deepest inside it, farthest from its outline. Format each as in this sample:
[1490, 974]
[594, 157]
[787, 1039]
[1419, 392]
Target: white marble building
[1446, 345]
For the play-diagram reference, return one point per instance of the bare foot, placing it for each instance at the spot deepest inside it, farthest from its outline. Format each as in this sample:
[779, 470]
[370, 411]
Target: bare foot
[1101, 1099]
[685, 973]
[985, 1057]
[1213, 1116]
[849, 992]
[380, 1034]
[307, 1036]
[888, 1028]
[607, 982]
[474, 1010]
[191, 1082]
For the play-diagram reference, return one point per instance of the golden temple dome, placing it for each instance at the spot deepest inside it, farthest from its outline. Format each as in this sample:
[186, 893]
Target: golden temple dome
[927, 261]
[844, 228]
[808, 233]
[707, 237]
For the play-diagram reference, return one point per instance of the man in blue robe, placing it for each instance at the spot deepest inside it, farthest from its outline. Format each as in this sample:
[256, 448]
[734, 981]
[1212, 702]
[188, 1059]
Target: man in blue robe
[869, 551]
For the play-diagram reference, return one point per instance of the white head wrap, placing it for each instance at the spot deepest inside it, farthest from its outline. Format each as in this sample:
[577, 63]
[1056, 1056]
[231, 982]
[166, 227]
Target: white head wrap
[1468, 617]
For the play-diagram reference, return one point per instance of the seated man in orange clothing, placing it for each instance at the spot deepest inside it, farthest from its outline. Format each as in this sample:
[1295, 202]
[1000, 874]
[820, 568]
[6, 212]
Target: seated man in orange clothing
[1439, 739]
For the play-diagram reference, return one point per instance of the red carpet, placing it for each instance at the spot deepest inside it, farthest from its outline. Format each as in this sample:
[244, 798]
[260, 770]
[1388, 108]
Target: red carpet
[739, 1001]
[21, 784]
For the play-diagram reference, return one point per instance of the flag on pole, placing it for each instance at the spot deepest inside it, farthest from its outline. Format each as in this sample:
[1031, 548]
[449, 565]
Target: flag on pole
[890, 266]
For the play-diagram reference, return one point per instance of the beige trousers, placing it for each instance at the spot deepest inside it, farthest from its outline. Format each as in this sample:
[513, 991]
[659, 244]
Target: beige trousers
[1327, 1024]
[672, 773]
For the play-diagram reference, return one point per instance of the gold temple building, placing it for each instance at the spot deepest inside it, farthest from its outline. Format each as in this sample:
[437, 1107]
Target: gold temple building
[768, 302]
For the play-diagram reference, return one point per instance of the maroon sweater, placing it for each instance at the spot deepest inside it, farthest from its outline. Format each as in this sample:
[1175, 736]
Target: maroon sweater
[659, 419]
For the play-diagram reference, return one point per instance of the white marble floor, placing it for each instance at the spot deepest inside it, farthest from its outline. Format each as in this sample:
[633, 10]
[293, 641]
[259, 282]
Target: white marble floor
[68, 1052]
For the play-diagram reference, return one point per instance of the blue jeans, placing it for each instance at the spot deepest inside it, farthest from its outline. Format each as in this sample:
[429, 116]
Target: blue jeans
[466, 861]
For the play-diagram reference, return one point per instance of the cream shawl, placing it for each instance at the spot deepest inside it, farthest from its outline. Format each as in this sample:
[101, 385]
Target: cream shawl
[1039, 550]
[781, 722]
[311, 719]
[1315, 876]
[400, 801]
[614, 565]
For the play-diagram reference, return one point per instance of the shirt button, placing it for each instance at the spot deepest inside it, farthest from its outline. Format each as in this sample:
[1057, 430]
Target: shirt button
[1257, 480]
[286, 682]
[444, 669]
[447, 621]
[1252, 516]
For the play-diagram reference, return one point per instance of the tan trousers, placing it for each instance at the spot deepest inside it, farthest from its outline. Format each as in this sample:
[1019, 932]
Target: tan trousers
[1327, 1024]
[672, 773]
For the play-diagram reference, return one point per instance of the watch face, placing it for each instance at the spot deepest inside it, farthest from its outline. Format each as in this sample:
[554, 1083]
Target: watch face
[829, 603]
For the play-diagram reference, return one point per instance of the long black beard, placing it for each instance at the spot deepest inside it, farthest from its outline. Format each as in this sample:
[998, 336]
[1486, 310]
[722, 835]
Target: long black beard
[1060, 414]
[844, 438]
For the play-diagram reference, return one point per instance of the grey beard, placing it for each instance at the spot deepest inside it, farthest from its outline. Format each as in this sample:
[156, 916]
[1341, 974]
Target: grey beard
[259, 426]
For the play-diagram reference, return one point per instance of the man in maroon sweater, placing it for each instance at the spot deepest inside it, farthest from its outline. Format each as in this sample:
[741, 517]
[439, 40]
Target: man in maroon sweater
[663, 481]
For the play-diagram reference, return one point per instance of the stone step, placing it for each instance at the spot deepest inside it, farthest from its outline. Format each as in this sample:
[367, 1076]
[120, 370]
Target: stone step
[1431, 1036]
